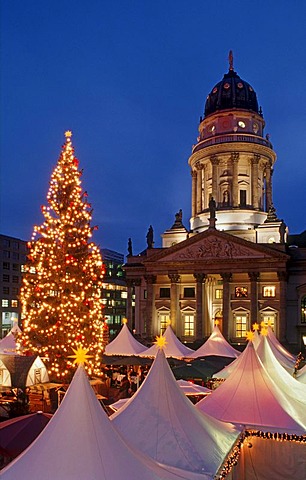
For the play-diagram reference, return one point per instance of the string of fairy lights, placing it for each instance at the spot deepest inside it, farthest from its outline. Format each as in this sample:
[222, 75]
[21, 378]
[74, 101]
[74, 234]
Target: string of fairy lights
[61, 292]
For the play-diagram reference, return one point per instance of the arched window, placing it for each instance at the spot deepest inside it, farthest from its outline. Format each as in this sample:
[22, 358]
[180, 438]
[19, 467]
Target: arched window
[303, 309]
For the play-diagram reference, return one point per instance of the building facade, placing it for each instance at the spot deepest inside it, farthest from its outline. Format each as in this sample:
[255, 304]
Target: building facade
[13, 258]
[237, 262]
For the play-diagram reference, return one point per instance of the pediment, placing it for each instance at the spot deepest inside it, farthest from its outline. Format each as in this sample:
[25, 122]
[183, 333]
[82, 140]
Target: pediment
[215, 245]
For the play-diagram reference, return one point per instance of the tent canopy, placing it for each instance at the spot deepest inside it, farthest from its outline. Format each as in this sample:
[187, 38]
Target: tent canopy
[124, 344]
[173, 347]
[216, 345]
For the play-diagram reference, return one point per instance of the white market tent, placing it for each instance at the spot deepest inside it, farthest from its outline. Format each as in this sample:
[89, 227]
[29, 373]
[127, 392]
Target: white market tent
[8, 343]
[173, 347]
[20, 371]
[301, 375]
[278, 346]
[162, 422]
[124, 344]
[286, 382]
[189, 388]
[250, 397]
[80, 443]
[216, 345]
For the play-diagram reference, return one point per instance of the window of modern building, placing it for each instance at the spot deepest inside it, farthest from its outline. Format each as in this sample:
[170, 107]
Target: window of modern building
[123, 294]
[15, 245]
[6, 254]
[6, 242]
[14, 303]
[5, 302]
[189, 292]
[241, 292]
[6, 265]
[5, 277]
[15, 256]
[164, 292]
[218, 293]
[269, 291]
[188, 322]
[15, 279]
[22, 268]
[6, 290]
[303, 309]
[15, 267]
[15, 291]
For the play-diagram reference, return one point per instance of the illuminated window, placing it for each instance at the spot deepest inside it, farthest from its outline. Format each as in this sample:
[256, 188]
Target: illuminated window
[32, 270]
[241, 324]
[241, 292]
[164, 321]
[219, 293]
[14, 303]
[164, 292]
[5, 302]
[22, 268]
[123, 294]
[303, 310]
[269, 291]
[241, 124]
[268, 318]
[188, 320]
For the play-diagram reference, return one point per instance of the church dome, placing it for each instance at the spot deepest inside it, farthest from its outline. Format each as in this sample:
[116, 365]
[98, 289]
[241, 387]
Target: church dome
[231, 92]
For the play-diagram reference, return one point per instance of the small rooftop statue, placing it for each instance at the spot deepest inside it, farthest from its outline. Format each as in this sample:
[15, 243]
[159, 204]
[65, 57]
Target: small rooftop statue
[130, 247]
[212, 213]
[272, 217]
[150, 237]
[178, 220]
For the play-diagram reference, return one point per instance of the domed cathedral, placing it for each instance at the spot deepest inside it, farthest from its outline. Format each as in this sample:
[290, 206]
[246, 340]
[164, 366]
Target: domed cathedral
[236, 263]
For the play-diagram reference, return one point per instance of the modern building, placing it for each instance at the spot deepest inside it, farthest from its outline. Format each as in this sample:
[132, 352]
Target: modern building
[13, 258]
[236, 263]
[114, 290]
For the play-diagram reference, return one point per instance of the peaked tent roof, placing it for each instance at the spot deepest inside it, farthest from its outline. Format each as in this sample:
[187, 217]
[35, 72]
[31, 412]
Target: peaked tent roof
[301, 375]
[250, 397]
[281, 349]
[124, 344]
[173, 348]
[8, 343]
[80, 443]
[216, 345]
[161, 421]
[281, 377]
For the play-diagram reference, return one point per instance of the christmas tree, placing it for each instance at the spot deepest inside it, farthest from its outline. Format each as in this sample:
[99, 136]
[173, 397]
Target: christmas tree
[61, 290]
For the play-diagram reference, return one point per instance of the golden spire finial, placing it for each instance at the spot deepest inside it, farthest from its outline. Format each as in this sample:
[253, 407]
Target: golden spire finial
[160, 342]
[124, 321]
[231, 60]
[68, 134]
[217, 323]
[250, 336]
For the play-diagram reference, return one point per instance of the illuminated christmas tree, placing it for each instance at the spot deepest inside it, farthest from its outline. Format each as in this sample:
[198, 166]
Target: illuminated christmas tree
[61, 291]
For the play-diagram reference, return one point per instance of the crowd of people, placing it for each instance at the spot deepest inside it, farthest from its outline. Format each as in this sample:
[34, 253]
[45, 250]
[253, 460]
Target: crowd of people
[126, 380]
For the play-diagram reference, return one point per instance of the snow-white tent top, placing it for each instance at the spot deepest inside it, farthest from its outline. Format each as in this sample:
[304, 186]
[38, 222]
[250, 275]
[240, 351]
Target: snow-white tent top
[124, 344]
[301, 375]
[8, 343]
[250, 397]
[279, 375]
[216, 345]
[286, 359]
[162, 422]
[80, 443]
[173, 348]
[20, 371]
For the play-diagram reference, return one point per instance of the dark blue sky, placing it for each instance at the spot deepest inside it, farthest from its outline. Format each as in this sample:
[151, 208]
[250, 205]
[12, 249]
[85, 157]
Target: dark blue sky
[130, 79]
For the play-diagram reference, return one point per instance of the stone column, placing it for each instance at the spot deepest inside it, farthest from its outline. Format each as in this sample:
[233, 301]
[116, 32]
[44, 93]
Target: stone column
[199, 207]
[268, 172]
[281, 325]
[174, 301]
[150, 279]
[215, 162]
[226, 277]
[254, 276]
[235, 188]
[200, 279]
[194, 193]
[255, 196]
